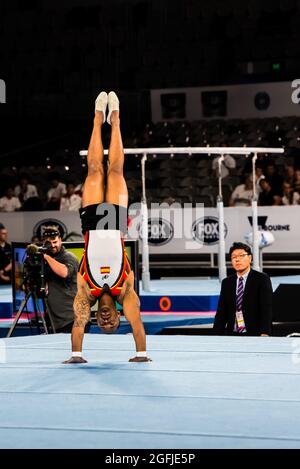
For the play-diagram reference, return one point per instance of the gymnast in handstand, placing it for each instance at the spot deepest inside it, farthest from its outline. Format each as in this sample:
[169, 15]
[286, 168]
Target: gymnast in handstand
[105, 273]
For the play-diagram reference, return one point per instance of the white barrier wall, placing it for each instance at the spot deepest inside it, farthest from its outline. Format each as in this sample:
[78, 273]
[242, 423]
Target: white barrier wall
[280, 96]
[199, 232]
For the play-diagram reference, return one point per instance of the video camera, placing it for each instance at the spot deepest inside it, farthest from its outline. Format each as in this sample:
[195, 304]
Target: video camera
[34, 266]
[34, 263]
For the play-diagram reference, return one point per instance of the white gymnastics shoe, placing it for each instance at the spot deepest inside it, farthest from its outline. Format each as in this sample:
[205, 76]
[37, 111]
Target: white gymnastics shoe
[101, 103]
[113, 104]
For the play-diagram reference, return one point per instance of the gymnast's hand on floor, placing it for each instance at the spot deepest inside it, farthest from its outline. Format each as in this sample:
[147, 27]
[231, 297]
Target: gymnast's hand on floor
[75, 360]
[140, 359]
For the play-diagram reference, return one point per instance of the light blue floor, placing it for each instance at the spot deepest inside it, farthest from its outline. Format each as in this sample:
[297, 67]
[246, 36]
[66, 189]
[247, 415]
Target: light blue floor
[202, 286]
[199, 392]
[178, 286]
[183, 287]
[285, 279]
[6, 295]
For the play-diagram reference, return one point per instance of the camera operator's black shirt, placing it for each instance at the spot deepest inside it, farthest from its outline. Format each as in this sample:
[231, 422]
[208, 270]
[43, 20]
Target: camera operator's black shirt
[62, 291]
[5, 259]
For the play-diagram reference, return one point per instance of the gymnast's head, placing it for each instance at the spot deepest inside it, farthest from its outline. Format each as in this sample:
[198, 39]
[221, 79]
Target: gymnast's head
[108, 317]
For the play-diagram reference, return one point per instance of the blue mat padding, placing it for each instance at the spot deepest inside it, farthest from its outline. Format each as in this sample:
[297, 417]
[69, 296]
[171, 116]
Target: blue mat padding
[180, 303]
[6, 308]
[199, 392]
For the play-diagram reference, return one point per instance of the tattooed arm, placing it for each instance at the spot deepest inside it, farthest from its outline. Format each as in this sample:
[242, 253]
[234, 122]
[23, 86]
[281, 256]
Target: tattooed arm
[82, 312]
[131, 309]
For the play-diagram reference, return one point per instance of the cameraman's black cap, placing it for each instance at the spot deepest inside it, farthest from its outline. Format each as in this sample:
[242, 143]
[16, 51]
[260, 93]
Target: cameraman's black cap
[2, 227]
[50, 232]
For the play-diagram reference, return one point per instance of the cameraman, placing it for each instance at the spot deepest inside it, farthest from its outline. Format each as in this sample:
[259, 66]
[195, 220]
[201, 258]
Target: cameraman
[61, 277]
[5, 257]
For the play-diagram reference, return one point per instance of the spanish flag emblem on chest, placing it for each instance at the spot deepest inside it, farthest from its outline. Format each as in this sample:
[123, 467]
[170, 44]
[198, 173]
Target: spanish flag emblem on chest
[105, 270]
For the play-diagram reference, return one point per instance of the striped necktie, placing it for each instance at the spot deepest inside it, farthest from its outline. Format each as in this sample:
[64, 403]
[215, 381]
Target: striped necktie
[239, 295]
[239, 301]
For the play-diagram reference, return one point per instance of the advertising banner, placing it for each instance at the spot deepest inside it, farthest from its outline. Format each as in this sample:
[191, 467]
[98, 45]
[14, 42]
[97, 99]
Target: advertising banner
[174, 230]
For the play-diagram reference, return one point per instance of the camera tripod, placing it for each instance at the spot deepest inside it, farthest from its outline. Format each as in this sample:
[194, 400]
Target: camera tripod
[45, 318]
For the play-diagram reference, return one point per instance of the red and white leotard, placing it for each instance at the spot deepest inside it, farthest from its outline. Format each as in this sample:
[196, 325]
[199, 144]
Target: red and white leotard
[104, 261]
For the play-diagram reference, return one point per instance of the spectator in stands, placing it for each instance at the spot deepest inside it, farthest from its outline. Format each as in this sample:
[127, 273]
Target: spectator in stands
[70, 201]
[290, 174]
[55, 193]
[290, 197]
[5, 257]
[274, 178]
[227, 167]
[242, 194]
[24, 190]
[78, 189]
[297, 181]
[268, 196]
[9, 203]
[169, 200]
[259, 175]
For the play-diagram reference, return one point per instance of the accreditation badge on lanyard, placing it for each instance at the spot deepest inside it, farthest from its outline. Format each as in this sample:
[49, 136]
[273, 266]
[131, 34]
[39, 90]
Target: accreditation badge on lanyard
[241, 327]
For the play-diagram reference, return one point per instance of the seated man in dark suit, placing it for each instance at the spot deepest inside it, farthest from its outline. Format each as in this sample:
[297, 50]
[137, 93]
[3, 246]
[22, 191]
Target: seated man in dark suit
[245, 303]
